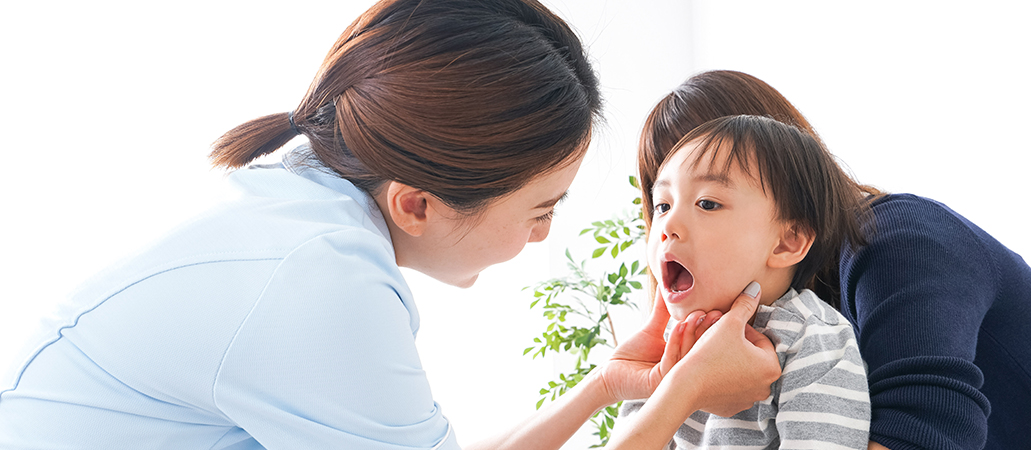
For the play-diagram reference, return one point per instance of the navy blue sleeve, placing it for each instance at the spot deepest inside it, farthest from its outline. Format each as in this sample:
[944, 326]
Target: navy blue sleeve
[917, 295]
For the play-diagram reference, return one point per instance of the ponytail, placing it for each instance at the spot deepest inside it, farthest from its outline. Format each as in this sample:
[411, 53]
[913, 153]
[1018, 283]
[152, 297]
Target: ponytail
[252, 140]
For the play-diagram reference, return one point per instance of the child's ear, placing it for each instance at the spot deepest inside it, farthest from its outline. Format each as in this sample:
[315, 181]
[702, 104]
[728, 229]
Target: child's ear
[792, 247]
[408, 207]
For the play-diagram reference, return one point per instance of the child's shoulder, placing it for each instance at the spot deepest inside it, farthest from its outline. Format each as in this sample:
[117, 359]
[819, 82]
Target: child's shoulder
[796, 314]
[800, 307]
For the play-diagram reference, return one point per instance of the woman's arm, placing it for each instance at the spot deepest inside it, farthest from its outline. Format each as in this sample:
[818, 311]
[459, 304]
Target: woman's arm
[729, 367]
[636, 367]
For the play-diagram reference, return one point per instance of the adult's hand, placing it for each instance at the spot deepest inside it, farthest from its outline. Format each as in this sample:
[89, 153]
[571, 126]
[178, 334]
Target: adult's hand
[726, 370]
[731, 366]
[639, 363]
[636, 368]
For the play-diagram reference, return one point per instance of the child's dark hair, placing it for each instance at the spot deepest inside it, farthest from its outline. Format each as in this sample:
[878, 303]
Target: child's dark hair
[807, 186]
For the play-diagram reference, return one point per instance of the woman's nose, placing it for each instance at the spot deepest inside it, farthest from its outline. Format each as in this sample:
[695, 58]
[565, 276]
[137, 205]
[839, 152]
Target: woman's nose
[539, 232]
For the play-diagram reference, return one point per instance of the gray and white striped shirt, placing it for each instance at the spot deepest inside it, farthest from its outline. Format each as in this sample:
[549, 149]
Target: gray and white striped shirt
[821, 400]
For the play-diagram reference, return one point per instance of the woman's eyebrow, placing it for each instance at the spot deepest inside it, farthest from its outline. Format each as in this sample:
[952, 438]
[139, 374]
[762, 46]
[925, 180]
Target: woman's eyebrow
[552, 202]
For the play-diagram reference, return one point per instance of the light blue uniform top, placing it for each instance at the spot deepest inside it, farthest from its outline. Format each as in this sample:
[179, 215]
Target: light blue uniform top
[279, 320]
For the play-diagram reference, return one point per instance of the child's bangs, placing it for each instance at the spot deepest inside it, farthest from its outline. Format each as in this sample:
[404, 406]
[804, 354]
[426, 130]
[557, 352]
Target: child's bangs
[724, 148]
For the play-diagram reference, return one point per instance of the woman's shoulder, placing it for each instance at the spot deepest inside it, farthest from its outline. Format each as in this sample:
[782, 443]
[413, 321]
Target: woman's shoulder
[911, 221]
[911, 208]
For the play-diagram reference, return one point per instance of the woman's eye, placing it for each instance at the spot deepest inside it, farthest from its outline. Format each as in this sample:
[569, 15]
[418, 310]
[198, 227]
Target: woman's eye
[662, 208]
[545, 218]
[708, 205]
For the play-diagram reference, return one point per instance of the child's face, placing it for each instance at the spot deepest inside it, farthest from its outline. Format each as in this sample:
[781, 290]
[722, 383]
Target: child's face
[710, 235]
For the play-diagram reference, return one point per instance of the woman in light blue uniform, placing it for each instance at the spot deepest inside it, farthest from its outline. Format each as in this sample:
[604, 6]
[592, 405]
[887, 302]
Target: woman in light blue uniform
[441, 135]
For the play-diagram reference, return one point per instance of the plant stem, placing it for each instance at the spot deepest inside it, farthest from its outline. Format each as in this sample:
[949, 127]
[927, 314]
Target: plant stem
[612, 329]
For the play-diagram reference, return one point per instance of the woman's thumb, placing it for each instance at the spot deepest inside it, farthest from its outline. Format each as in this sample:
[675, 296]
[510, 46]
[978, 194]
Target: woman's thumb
[744, 306]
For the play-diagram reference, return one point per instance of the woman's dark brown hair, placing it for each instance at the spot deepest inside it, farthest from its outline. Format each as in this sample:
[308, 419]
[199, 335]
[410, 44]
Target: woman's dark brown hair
[708, 96]
[809, 189]
[465, 99]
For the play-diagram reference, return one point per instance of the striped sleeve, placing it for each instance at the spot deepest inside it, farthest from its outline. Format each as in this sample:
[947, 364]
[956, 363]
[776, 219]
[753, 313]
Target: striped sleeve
[824, 401]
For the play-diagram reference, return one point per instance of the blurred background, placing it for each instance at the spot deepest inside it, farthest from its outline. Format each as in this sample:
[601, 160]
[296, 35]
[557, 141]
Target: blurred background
[109, 108]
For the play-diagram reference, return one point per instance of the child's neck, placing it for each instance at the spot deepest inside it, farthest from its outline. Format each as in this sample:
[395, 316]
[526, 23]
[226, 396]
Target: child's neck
[775, 286]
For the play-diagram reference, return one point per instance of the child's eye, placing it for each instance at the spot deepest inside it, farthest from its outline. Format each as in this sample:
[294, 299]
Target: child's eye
[662, 208]
[708, 205]
[545, 218]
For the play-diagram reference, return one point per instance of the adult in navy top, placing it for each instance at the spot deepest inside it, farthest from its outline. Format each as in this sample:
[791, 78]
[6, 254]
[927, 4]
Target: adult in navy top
[942, 311]
[441, 134]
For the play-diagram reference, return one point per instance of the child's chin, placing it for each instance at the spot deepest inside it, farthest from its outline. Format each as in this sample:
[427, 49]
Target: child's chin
[676, 313]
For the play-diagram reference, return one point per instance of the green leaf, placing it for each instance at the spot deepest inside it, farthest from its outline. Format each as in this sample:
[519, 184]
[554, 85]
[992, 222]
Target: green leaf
[637, 201]
[615, 250]
[598, 252]
[601, 240]
[541, 401]
[633, 182]
[635, 284]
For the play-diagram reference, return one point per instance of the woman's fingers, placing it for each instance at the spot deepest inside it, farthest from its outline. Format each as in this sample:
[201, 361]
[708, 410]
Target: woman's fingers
[680, 341]
[758, 339]
[710, 320]
[744, 306]
[659, 317]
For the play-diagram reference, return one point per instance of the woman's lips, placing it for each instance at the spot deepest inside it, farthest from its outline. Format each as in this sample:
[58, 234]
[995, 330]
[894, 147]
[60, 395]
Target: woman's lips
[677, 281]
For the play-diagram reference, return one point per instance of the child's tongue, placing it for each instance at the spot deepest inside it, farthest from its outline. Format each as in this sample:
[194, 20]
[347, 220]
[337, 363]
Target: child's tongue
[683, 282]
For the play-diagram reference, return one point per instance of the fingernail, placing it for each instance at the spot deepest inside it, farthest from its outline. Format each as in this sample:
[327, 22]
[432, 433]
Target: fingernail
[752, 290]
[700, 320]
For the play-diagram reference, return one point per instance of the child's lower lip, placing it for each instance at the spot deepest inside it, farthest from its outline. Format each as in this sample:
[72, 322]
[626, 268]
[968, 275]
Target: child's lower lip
[677, 296]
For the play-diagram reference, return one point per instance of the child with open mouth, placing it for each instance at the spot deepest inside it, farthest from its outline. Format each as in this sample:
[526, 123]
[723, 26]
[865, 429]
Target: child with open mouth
[744, 200]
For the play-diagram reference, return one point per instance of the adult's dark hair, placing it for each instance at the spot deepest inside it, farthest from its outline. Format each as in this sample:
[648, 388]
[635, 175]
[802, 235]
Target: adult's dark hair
[465, 99]
[710, 95]
[807, 186]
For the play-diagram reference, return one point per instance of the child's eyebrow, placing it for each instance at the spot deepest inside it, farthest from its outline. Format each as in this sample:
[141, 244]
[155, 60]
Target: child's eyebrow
[712, 177]
[718, 178]
[660, 183]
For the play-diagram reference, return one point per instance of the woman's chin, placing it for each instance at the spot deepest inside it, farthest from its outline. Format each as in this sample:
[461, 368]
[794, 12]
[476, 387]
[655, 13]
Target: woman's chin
[463, 283]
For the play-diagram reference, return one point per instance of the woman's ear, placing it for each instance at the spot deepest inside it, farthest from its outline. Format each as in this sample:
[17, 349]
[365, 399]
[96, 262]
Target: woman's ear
[408, 207]
[792, 247]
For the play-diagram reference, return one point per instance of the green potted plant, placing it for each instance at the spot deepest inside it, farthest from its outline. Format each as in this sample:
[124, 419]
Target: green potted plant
[578, 306]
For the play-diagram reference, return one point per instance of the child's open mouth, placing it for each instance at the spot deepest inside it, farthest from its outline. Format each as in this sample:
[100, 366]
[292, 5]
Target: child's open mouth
[677, 278]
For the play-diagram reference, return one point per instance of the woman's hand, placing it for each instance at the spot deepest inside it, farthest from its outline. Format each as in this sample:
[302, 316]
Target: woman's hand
[639, 363]
[731, 366]
[725, 370]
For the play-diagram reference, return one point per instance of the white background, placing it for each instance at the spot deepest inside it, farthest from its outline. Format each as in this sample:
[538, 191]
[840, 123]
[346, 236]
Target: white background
[108, 108]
